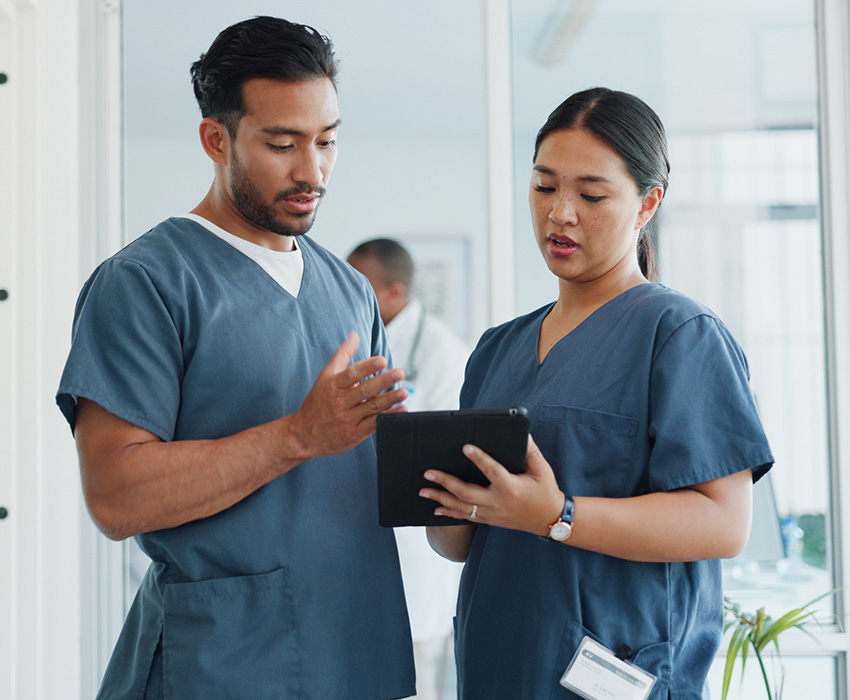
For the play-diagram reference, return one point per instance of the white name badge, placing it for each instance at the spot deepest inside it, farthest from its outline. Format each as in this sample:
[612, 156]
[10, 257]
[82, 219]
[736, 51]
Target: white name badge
[596, 673]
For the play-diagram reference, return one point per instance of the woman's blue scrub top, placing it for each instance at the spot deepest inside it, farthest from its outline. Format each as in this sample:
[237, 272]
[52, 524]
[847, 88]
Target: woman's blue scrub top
[649, 394]
[295, 591]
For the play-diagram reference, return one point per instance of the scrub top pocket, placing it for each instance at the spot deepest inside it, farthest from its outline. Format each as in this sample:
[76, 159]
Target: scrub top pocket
[206, 625]
[590, 451]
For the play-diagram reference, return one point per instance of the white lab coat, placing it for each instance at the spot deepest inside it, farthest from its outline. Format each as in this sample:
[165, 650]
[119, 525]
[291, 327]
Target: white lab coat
[430, 582]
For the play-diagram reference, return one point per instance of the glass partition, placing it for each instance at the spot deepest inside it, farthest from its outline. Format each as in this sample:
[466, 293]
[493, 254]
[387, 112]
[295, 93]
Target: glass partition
[736, 85]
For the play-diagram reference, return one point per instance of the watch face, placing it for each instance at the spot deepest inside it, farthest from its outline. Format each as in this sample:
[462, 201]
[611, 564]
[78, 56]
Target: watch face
[560, 531]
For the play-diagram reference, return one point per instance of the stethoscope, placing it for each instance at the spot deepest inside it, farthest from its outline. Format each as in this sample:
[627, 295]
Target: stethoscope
[411, 370]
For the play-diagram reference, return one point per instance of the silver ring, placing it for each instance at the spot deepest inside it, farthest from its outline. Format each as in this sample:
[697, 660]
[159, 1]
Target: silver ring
[474, 512]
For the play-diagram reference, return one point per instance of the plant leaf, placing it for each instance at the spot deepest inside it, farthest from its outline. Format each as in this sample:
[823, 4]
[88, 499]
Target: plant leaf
[760, 617]
[738, 640]
[792, 618]
[759, 630]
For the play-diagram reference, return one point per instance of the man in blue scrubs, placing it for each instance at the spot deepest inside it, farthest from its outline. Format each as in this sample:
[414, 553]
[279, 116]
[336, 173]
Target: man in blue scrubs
[223, 383]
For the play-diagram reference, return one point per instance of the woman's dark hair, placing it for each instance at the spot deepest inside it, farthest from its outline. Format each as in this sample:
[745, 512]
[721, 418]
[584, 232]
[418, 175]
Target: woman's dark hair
[630, 127]
[262, 47]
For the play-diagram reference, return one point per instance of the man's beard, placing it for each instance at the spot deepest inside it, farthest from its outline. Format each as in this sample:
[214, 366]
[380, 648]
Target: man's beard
[248, 201]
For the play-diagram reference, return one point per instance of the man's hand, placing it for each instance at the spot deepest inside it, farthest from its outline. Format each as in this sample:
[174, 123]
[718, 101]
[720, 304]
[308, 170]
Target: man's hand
[342, 407]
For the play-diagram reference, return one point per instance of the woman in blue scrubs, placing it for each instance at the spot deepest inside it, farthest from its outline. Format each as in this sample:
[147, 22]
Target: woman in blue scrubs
[646, 442]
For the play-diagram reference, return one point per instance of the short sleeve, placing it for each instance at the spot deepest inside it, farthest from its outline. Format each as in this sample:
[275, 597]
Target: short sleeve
[703, 420]
[125, 350]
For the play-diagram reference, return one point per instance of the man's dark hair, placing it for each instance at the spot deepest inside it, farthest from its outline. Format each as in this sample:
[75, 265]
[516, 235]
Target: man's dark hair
[262, 47]
[396, 263]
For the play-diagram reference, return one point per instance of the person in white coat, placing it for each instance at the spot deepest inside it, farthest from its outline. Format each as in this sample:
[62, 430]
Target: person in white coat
[433, 358]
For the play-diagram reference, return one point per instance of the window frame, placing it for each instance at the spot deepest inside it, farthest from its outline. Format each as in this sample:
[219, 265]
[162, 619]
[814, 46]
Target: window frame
[833, 54]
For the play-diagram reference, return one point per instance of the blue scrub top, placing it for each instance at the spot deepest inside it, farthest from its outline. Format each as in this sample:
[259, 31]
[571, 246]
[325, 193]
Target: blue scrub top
[295, 591]
[649, 394]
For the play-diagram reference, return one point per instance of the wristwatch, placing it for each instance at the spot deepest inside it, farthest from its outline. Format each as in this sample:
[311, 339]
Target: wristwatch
[561, 529]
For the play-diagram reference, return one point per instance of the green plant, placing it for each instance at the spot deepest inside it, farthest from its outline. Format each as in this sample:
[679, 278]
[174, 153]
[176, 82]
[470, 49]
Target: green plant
[756, 631]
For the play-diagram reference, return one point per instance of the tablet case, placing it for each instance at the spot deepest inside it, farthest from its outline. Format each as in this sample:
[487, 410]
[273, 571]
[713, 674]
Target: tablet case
[410, 443]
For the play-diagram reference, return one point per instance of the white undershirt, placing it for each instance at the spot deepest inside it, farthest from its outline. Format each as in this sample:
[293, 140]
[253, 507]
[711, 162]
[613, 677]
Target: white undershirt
[285, 268]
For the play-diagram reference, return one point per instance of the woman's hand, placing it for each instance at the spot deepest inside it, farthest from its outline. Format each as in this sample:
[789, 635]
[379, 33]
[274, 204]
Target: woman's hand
[530, 502]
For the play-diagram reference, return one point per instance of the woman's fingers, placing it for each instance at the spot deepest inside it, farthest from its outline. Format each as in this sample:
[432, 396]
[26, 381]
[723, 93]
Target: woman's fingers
[464, 500]
[454, 488]
[535, 463]
[516, 501]
[488, 466]
[456, 498]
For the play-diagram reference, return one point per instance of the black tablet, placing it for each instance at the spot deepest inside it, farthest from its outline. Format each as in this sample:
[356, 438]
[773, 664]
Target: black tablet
[410, 443]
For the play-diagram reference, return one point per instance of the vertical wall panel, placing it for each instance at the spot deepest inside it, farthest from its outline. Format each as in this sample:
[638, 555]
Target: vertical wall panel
[7, 258]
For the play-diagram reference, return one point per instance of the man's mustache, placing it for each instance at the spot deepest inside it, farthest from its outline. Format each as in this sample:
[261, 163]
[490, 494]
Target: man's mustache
[300, 189]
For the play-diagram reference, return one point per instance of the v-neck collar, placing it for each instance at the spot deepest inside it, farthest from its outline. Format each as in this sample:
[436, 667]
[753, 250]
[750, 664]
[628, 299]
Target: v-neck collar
[580, 330]
[249, 276]
[292, 269]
